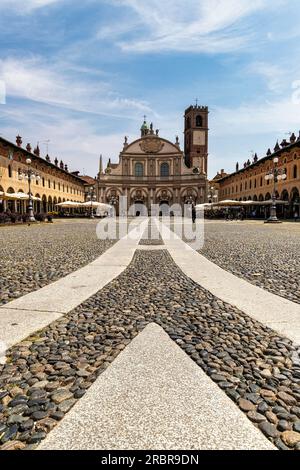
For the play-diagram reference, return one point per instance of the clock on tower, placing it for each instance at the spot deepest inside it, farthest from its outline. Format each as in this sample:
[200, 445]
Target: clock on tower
[196, 138]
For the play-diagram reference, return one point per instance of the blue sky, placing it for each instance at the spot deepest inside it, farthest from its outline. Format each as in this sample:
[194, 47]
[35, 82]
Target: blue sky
[83, 73]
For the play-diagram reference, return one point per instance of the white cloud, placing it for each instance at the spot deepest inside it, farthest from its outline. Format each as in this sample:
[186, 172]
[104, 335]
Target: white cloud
[275, 76]
[193, 25]
[33, 80]
[279, 116]
[78, 142]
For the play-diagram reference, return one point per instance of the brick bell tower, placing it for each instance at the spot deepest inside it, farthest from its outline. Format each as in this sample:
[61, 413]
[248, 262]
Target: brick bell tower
[196, 138]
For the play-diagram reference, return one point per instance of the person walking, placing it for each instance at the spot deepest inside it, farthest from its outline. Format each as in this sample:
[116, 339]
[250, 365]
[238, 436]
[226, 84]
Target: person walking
[296, 215]
[194, 214]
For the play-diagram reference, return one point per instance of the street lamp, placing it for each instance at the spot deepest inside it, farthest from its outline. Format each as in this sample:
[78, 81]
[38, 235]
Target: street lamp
[275, 175]
[29, 174]
[91, 196]
[189, 200]
[212, 196]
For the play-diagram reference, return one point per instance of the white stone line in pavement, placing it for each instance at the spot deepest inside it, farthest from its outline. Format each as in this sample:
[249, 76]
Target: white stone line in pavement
[153, 396]
[277, 313]
[151, 247]
[34, 311]
[15, 325]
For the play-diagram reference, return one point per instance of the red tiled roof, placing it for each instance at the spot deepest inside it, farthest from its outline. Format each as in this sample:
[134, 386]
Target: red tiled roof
[87, 179]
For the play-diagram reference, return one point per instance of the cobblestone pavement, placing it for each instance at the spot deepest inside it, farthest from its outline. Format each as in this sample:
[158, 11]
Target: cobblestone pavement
[48, 373]
[32, 257]
[265, 255]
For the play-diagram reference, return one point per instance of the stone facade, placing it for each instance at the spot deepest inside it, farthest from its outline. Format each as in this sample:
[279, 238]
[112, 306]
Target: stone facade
[56, 184]
[155, 171]
[214, 187]
[249, 182]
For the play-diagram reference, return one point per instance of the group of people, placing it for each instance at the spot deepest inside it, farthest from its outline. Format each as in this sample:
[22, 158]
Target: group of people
[235, 215]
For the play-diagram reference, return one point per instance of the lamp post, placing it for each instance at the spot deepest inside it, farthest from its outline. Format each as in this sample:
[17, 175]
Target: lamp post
[91, 196]
[189, 200]
[212, 196]
[275, 174]
[29, 174]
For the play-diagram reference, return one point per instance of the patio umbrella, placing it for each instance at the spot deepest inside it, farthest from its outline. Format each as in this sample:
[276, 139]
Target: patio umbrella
[270, 202]
[17, 196]
[69, 204]
[248, 203]
[228, 203]
[202, 207]
[97, 205]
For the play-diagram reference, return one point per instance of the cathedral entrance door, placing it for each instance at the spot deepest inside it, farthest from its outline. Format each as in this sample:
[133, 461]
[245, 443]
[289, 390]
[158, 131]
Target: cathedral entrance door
[140, 209]
[164, 209]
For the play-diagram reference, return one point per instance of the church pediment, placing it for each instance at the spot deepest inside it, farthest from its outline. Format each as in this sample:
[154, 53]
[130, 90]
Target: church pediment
[151, 145]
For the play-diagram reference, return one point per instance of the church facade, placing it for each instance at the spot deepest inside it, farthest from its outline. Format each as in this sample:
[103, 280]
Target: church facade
[154, 171]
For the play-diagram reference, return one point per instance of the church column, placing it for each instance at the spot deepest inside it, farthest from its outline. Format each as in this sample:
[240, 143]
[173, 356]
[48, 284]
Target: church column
[102, 195]
[126, 194]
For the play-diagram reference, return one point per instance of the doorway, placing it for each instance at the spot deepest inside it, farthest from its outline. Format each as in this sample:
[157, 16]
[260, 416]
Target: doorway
[164, 209]
[140, 210]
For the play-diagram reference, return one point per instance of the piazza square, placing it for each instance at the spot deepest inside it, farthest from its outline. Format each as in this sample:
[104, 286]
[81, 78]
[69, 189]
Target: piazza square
[149, 282]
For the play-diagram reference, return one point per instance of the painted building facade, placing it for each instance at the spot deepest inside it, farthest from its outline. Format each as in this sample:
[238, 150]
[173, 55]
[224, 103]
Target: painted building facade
[56, 184]
[248, 183]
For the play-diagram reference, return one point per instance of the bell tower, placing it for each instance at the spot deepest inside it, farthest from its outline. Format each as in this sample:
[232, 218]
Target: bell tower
[196, 138]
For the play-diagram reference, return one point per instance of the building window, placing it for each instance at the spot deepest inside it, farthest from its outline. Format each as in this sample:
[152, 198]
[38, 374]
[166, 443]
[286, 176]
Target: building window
[49, 184]
[139, 170]
[295, 172]
[261, 181]
[199, 121]
[9, 171]
[58, 186]
[165, 170]
[255, 183]
[43, 182]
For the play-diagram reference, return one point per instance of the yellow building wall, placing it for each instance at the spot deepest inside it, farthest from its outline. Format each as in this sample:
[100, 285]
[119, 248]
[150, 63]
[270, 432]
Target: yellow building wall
[54, 186]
